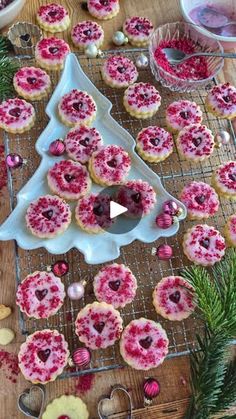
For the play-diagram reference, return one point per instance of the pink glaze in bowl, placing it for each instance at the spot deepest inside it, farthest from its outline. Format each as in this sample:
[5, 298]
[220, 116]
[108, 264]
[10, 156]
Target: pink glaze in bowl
[187, 6]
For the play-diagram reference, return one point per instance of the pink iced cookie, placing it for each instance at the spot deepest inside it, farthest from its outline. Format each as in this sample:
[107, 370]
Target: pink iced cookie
[32, 83]
[48, 216]
[98, 325]
[230, 230]
[224, 180]
[138, 197]
[69, 179]
[144, 344]
[182, 113]
[16, 115]
[142, 100]
[195, 143]
[43, 356]
[50, 53]
[86, 33]
[40, 295]
[221, 101]
[154, 144]
[53, 18]
[203, 245]
[77, 107]
[200, 199]
[115, 284]
[109, 165]
[103, 9]
[118, 71]
[92, 213]
[139, 30]
[81, 142]
[173, 298]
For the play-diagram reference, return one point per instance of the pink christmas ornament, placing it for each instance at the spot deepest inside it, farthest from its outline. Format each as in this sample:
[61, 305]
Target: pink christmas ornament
[60, 268]
[57, 147]
[81, 357]
[164, 220]
[151, 389]
[164, 252]
[75, 290]
[13, 161]
[170, 207]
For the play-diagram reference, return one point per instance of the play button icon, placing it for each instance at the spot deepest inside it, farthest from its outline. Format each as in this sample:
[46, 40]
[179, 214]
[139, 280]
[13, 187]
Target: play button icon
[111, 215]
[116, 209]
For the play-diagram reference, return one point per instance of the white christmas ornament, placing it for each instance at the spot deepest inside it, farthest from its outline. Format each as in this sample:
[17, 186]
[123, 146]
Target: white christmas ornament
[92, 51]
[142, 61]
[119, 38]
[222, 137]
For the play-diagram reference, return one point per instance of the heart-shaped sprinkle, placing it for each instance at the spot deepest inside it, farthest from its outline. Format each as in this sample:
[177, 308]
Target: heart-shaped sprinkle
[121, 69]
[15, 112]
[205, 243]
[99, 326]
[197, 141]
[139, 26]
[47, 214]
[112, 163]
[43, 355]
[154, 141]
[52, 13]
[87, 32]
[114, 285]
[200, 199]
[232, 176]
[77, 106]
[184, 114]
[69, 178]
[175, 297]
[226, 99]
[53, 50]
[84, 142]
[41, 294]
[146, 343]
[98, 209]
[136, 197]
[25, 37]
[31, 80]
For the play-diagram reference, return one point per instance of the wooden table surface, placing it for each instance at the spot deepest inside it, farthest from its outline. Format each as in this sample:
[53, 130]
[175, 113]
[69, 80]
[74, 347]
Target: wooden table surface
[173, 374]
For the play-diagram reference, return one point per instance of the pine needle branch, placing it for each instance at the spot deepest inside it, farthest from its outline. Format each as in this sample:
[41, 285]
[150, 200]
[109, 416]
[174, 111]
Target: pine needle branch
[8, 68]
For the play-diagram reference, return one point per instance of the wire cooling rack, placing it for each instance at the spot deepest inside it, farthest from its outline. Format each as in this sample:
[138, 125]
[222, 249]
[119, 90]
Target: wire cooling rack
[174, 172]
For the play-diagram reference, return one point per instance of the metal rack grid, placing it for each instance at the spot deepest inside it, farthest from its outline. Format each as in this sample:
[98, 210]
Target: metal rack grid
[174, 172]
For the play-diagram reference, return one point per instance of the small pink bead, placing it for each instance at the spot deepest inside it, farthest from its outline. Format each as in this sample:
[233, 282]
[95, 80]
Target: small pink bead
[170, 207]
[75, 291]
[81, 357]
[151, 388]
[164, 252]
[164, 220]
[60, 268]
[57, 148]
[14, 161]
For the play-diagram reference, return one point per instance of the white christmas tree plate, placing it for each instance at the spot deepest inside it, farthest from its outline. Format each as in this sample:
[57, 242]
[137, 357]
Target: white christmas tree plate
[95, 248]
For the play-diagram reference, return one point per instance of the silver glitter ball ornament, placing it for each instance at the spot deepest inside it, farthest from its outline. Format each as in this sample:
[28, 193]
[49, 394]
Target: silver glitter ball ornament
[142, 61]
[119, 38]
[222, 137]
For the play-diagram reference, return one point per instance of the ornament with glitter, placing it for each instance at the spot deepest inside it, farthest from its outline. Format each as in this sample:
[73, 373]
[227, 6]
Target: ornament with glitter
[59, 268]
[151, 389]
[170, 207]
[13, 161]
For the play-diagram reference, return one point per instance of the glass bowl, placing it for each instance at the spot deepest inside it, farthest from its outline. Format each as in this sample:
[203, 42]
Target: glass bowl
[186, 31]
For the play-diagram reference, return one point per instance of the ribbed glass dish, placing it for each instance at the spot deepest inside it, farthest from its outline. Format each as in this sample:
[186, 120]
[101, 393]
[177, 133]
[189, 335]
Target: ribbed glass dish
[184, 31]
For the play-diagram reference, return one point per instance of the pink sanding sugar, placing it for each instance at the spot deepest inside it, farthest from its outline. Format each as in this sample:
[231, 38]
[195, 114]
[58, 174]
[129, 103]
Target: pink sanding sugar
[9, 365]
[84, 383]
[195, 68]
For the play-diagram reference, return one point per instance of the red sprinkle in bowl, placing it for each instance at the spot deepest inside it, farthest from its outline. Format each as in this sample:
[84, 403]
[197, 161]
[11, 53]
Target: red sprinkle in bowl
[195, 73]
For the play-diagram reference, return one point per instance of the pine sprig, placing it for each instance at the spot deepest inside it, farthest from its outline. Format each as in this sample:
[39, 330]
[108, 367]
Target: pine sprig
[213, 382]
[8, 68]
